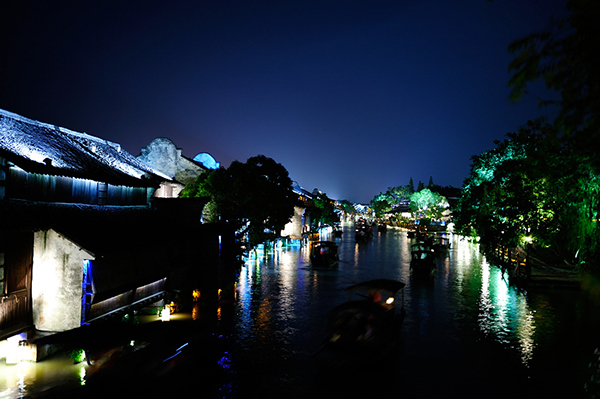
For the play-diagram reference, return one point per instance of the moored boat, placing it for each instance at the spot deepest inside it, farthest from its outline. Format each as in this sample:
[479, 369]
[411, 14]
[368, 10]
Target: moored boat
[362, 235]
[440, 244]
[422, 259]
[363, 330]
[324, 254]
[363, 231]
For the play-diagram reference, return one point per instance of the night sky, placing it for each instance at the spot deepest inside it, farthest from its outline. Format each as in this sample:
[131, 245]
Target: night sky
[351, 97]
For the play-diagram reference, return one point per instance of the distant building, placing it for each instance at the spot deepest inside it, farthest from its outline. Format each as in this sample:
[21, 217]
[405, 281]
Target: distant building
[162, 155]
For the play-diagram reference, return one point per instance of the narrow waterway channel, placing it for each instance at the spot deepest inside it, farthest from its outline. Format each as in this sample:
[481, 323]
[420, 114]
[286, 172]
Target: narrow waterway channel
[467, 333]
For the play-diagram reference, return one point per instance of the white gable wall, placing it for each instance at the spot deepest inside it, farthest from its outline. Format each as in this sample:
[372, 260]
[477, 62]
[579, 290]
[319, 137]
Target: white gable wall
[57, 277]
[294, 227]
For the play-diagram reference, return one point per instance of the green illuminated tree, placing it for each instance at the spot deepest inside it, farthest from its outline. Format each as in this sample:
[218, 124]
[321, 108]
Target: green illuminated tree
[201, 188]
[347, 207]
[542, 182]
[324, 212]
[533, 189]
[428, 204]
[386, 201]
[380, 207]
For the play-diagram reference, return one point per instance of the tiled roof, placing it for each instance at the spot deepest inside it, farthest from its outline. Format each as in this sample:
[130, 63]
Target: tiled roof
[48, 149]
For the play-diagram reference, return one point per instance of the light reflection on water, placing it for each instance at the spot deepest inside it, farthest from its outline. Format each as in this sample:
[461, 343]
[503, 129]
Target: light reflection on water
[28, 378]
[465, 329]
[467, 311]
[504, 314]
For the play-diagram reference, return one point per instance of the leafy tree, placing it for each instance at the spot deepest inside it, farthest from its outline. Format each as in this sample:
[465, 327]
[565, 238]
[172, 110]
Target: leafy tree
[428, 203]
[256, 196]
[565, 57]
[347, 207]
[398, 194]
[201, 188]
[411, 186]
[531, 188]
[380, 207]
[324, 213]
[387, 201]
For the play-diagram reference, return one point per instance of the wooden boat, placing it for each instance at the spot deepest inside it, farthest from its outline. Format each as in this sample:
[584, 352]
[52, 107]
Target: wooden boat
[422, 259]
[363, 330]
[324, 254]
[440, 244]
[361, 235]
[363, 232]
[423, 236]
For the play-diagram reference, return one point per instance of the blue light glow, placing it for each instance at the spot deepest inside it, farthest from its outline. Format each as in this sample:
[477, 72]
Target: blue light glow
[207, 160]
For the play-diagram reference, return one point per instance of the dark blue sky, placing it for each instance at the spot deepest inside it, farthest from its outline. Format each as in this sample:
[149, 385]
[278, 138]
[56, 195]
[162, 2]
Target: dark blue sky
[351, 97]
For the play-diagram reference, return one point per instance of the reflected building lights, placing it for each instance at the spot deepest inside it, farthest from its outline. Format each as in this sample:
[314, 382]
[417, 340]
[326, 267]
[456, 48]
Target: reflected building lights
[22, 369]
[503, 312]
[526, 330]
[82, 375]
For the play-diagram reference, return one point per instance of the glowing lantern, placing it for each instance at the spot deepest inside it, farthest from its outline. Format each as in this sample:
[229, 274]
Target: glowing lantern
[196, 295]
[166, 313]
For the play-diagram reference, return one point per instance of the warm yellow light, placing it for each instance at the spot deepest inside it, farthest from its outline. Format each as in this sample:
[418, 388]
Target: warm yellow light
[390, 300]
[196, 295]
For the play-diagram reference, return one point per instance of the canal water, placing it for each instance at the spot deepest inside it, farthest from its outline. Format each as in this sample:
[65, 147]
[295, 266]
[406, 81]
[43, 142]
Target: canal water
[467, 333]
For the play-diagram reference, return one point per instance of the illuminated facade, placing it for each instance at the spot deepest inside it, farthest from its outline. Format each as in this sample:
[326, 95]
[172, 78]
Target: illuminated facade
[78, 239]
[162, 154]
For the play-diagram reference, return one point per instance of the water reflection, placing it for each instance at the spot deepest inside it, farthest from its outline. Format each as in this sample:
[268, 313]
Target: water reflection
[504, 313]
[465, 329]
[27, 378]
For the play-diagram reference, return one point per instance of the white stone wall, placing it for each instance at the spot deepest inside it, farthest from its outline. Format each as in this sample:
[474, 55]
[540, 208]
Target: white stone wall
[56, 281]
[162, 155]
[168, 190]
[294, 228]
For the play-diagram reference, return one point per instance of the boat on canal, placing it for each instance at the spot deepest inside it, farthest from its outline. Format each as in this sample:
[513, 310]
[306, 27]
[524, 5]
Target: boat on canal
[363, 231]
[423, 236]
[363, 330]
[422, 259]
[441, 244]
[324, 254]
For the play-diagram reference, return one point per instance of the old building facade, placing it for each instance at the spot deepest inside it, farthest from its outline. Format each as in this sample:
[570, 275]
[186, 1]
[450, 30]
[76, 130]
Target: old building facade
[79, 241]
